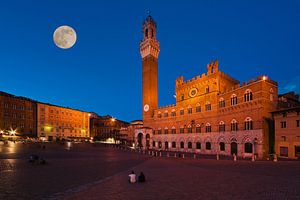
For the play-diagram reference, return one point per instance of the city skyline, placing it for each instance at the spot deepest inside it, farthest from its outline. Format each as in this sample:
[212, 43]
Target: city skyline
[105, 62]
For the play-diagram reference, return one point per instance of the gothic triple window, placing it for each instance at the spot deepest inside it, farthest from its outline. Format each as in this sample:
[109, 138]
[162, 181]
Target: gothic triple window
[221, 103]
[207, 106]
[233, 100]
[221, 126]
[248, 124]
[234, 125]
[248, 96]
[208, 128]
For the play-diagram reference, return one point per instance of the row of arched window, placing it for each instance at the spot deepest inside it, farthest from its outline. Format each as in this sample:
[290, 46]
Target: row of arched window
[248, 96]
[248, 125]
[248, 147]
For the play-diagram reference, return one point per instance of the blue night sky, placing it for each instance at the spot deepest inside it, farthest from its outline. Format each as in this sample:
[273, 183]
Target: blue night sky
[102, 72]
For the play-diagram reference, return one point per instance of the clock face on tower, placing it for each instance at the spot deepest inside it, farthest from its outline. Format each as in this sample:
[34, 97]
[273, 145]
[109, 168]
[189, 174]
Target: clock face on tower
[193, 92]
[146, 107]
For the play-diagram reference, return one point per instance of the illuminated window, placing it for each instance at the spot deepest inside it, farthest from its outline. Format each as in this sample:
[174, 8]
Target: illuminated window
[159, 115]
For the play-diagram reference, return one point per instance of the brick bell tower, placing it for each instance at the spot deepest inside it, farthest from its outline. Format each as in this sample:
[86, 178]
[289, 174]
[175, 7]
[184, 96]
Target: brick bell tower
[149, 49]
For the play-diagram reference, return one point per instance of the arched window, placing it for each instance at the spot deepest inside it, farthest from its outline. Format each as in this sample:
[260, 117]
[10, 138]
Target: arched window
[190, 110]
[173, 144]
[181, 111]
[190, 129]
[159, 144]
[173, 130]
[182, 145]
[166, 114]
[207, 89]
[146, 33]
[181, 130]
[166, 130]
[198, 145]
[208, 146]
[153, 143]
[248, 124]
[271, 94]
[222, 146]
[159, 115]
[159, 131]
[198, 128]
[248, 147]
[208, 128]
[221, 103]
[233, 99]
[234, 125]
[190, 145]
[173, 113]
[248, 96]
[221, 126]
[198, 107]
[208, 106]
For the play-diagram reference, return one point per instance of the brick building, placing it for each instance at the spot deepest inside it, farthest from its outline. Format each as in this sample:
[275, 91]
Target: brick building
[287, 126]
[213, 114]
[106, 127]
[18, 115]
[56, 122]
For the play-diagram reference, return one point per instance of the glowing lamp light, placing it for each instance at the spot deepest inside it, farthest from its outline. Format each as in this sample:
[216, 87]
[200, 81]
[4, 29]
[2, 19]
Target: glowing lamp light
[113, 119]
[264, 78]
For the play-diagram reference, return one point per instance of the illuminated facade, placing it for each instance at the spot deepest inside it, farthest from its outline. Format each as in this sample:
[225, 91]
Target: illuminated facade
[54, 122]
[17, 115]
[287, 126]
[105, 127]
[213, 114]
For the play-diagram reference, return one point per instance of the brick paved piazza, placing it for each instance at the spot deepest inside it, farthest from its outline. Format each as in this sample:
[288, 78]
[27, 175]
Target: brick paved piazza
[89, 172]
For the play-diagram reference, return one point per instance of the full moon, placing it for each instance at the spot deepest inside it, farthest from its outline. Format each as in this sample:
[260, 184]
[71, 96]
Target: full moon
[64, 37]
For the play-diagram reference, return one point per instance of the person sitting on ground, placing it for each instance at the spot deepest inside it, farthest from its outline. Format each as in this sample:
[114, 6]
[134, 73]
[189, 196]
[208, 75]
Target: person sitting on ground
[132, 177]
[141, 178]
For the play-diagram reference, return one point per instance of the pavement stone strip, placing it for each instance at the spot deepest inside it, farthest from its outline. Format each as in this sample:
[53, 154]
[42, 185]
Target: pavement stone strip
[89, 172]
